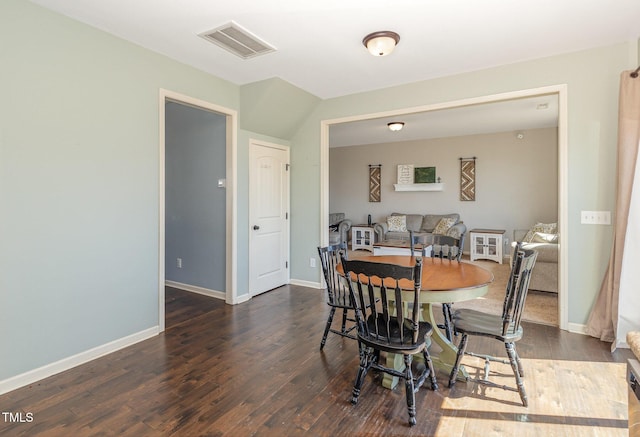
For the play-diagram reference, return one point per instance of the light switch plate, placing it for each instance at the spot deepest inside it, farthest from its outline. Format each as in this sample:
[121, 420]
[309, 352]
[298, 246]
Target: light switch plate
[595, 217]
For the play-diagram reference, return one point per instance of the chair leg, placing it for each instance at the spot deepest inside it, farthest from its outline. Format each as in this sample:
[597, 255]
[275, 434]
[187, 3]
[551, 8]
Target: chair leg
[366, 359]
[344, 321]
[446, 314]
[327, 327]
[409, 389]
[432, 373]
[520, 369]
[461, 348]
[511, 351]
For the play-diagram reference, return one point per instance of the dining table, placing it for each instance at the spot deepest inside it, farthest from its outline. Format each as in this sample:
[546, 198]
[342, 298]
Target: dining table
[443, 281]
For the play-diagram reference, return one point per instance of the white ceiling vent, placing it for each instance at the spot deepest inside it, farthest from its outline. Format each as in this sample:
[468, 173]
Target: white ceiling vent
[237, 40]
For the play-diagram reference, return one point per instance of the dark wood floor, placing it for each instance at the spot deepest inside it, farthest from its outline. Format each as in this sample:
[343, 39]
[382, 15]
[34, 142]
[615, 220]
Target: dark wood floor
[255, 369]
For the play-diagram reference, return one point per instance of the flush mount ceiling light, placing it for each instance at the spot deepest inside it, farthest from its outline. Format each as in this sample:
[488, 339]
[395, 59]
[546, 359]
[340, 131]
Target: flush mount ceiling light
[381, 43]
[395, 126]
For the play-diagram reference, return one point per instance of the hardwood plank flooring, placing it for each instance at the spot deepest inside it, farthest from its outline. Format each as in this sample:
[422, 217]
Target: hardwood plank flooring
[256, 369]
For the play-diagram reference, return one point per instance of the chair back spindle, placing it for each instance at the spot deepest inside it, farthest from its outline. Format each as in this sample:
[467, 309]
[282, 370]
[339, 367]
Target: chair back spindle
[390, 322]
[517, 289]
[337, 291]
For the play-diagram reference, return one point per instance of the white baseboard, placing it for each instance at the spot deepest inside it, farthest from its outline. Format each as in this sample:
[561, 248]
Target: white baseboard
[309, 284]
[45, 371]
[577, 328]
[195, 289]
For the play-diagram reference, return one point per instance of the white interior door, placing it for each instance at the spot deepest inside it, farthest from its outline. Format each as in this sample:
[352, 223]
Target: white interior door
[268, 217]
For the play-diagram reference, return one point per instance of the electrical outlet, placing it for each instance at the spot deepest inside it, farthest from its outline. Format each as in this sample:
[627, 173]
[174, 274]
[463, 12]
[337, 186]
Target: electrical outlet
[312, 262]
[179, 262]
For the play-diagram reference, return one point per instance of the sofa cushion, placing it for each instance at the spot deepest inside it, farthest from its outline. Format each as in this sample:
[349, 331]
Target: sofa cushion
[414, 221]
[443, 225]
[429, 221]
[545, 228]
[547, 252]
[457, 230]
[397, 223]
[541, 237]
[396, 235]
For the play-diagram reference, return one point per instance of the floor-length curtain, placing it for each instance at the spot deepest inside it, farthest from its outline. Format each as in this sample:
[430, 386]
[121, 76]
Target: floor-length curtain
[603, 319]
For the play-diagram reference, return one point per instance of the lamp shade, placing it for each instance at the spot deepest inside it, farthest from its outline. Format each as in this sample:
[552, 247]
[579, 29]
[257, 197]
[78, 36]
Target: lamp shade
[381, 43]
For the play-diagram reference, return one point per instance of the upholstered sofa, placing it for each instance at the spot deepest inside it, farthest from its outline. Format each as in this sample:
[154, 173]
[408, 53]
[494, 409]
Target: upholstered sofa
[423, 227]
[545, 272]
[339, 228]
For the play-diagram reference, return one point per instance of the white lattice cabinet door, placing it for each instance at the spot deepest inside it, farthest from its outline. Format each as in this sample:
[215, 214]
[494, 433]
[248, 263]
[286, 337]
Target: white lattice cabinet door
[487, 244]
[362, 237]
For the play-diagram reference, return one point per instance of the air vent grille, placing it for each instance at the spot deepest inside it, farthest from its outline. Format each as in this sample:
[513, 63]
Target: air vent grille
[237, 40]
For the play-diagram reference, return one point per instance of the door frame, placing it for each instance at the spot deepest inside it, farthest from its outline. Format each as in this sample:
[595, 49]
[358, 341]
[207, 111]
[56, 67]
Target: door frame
[563, 171]
[231, 194]
[286, 149]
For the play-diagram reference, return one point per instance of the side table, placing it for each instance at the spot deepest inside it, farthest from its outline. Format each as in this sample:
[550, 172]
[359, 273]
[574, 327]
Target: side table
[487, 244]
[362, 237]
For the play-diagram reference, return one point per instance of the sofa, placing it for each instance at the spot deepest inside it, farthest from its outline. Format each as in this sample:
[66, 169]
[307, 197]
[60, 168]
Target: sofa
[339, 228]
[543, 238]
[422, 226]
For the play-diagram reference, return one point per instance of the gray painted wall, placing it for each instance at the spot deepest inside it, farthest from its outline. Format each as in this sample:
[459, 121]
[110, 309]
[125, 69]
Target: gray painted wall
[516, 180]
[195, 207]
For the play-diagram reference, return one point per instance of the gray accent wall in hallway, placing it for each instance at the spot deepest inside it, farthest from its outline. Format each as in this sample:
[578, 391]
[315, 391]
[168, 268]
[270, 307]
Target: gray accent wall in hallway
[195, 206]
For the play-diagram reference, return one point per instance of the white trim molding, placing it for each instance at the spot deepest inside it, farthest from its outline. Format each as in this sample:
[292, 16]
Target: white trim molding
[309, 284]
[64, 364]
[195, 289]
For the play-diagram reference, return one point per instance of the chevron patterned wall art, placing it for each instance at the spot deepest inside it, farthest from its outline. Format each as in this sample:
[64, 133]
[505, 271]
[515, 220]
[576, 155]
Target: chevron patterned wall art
[374, 182]
[468, 178]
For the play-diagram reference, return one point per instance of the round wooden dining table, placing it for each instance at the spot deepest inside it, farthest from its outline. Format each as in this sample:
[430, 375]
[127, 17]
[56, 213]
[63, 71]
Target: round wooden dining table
[443, 281]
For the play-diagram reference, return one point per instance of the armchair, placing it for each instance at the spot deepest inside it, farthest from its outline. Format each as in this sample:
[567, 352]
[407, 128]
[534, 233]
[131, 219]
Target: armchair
[338, 228]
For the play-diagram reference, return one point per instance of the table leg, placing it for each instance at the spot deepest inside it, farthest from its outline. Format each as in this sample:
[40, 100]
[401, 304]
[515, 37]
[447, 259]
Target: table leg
[445, 360]
[394, 361]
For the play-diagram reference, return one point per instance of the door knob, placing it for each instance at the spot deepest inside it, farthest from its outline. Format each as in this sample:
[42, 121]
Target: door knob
[256, 227]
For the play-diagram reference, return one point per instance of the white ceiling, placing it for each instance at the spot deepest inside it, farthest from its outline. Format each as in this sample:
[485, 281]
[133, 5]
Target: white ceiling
[511, 115]
[319, 46]
[319, 42]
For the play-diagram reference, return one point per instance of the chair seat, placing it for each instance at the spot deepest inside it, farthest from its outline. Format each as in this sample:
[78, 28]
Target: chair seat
[391, 341]
[479, 323]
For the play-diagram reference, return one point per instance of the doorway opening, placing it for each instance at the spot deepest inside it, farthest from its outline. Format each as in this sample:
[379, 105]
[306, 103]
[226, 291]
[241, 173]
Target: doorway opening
[559, 90]
[227, 183]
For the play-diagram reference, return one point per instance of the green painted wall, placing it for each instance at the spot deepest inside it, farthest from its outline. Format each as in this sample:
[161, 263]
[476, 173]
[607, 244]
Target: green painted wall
[79, 173]
[592, 78]
[79, 183]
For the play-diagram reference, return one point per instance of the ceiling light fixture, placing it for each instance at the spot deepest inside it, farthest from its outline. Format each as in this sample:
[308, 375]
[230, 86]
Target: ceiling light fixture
[381, 43]
[395, 126]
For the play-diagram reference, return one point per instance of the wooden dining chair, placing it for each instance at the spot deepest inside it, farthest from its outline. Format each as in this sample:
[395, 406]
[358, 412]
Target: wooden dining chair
[447, 247]
[392, 325]
[505, 328]
[337, 291]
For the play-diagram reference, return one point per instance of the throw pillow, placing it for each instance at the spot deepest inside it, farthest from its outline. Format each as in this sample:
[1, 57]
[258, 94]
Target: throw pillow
[397, 223]
[545, 228]
[443, 225]
[541, 237]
